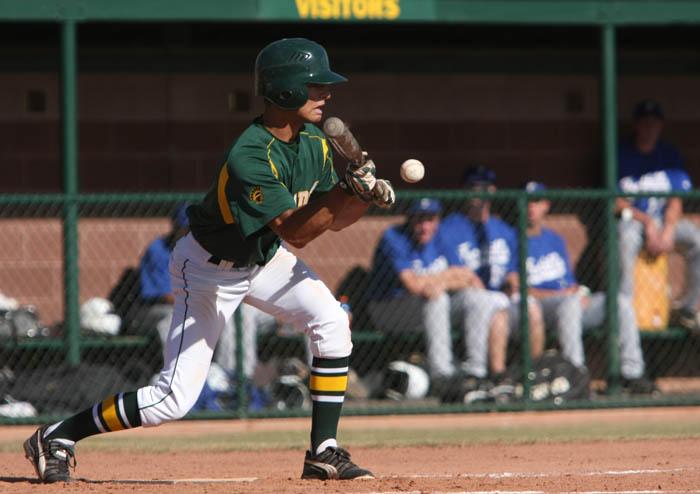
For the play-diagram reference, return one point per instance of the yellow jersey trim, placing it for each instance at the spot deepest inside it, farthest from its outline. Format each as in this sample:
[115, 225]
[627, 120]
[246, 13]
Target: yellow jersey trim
[269, 160]
[224, 206]
[324, 147]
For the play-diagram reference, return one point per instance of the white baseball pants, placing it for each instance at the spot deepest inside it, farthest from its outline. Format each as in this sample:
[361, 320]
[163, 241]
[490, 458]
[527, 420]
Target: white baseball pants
[207, 295]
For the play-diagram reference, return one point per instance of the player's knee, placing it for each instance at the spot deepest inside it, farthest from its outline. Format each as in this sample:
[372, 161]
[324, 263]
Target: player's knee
[440, 303]
[569, 309]
[164, 404]
[331, 339]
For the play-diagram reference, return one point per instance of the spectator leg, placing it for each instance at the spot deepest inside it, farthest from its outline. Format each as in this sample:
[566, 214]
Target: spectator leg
[565, 313]
[412, 313]
[687, 239]
[631, 240]
[631, 358]
[480, 306]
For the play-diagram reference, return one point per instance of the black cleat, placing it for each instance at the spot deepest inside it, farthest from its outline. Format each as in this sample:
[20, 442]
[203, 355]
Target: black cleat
[686, 318]
[333, 464]
[640, 386]
[51, 457]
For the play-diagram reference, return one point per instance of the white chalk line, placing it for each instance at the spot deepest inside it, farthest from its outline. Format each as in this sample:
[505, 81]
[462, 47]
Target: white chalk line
[521, 475]
[493, 475]
[172, 481]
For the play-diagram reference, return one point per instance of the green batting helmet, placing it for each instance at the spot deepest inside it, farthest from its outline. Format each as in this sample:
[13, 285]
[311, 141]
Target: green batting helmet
[284, 68]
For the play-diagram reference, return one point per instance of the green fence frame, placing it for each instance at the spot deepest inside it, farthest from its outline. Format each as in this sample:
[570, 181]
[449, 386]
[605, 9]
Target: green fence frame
[607, 15]
[74, 343]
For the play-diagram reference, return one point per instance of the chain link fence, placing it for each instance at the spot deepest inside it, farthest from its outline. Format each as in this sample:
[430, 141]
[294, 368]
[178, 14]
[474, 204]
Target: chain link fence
[415, 345]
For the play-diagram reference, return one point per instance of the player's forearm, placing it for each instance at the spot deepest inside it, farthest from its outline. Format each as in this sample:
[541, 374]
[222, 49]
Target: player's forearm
[300, 226]
[420, 284]
[673, 213]
[459, 277]
[544, 293]
[350, 214]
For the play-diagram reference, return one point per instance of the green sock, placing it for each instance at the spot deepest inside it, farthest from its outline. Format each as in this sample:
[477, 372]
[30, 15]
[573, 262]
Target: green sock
[329, 379]
[116, 413]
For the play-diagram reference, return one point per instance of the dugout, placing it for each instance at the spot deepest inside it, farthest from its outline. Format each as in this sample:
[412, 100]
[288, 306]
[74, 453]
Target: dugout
[119, 109]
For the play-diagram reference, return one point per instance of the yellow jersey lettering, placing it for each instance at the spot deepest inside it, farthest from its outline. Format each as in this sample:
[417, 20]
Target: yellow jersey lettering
[302, 198]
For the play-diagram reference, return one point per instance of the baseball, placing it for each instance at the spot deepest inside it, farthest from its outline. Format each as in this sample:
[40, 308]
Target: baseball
[412, 171]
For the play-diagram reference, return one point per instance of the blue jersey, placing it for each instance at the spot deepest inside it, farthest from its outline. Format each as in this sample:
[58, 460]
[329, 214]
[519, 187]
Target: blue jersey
[397, 252]
[490, 249]
[155, 278]
[548, 265]
[661, 170]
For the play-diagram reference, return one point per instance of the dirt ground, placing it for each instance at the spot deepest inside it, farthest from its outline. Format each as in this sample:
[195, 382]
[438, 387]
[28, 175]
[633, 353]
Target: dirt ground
[659, 465]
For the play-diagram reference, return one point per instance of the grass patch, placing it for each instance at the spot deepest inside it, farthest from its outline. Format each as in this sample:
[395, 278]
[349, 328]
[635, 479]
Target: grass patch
[461, 436]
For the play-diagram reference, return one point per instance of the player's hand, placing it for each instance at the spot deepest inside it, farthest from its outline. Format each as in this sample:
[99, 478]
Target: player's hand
[433, 290]
[360, 180]
[383, 194]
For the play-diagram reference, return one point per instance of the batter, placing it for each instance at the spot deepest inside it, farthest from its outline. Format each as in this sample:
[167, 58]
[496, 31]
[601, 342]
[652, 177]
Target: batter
[278, 183]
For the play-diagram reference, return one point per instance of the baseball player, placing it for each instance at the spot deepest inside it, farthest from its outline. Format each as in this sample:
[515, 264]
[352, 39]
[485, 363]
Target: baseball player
[649, 164]
[569, 307]
[414, 287]
[488, 246]
[277, 183]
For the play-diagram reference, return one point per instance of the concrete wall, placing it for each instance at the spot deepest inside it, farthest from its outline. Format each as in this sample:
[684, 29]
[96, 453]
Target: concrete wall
[170, 131]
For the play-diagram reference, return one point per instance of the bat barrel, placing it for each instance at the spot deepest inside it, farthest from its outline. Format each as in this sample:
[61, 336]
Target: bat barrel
[334, 127]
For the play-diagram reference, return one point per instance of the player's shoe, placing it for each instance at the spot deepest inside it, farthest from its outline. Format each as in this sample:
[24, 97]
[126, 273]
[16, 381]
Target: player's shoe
[333, 464]
[640, 386]
[476, 389]
[503, 390]
[686, 318]
[51, 457]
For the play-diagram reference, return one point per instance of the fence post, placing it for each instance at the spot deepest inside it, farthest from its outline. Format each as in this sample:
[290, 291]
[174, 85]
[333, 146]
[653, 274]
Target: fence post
[524, 312]
[240, 373]
[609, 112]
[69, 129]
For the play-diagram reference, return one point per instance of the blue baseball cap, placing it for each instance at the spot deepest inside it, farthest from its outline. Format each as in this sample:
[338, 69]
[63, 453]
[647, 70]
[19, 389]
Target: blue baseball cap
[478, 175]
[648, 108]
[533, 186]
[179, 216]
[425, 206]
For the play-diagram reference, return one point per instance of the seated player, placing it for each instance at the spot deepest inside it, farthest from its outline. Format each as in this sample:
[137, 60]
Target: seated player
[569, 308]
[488, 246]
[413, 287]
[647, 163]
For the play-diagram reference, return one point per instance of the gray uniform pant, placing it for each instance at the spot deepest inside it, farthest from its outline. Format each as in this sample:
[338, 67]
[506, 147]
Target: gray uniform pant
[433, 317]
[566, 314]
[480, 306]
[687, 242]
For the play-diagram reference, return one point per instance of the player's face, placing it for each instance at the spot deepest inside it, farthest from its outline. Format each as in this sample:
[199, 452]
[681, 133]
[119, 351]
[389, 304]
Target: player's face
[648, 130]
[536, 211]
[312, 111]
[425, 227]
[479, 207]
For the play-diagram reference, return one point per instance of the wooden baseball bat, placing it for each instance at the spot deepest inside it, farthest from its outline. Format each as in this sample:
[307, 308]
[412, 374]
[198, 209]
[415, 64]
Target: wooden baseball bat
[343, 141]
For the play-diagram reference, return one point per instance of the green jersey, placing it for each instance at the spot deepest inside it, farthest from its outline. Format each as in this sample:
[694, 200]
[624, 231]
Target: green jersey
[261, 178]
